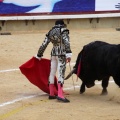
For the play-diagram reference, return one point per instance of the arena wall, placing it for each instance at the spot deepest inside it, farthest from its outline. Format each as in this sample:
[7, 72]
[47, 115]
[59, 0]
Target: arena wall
[37, 25]
[29, 16]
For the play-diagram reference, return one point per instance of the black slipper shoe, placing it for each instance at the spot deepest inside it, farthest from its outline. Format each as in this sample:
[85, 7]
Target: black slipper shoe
[65, 100]
[51, 97]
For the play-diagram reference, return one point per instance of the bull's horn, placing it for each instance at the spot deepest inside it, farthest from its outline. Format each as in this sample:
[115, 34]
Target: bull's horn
[70, 74]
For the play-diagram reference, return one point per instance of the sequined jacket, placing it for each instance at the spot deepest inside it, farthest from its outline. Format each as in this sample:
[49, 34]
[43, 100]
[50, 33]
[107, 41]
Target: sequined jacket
[59, 36]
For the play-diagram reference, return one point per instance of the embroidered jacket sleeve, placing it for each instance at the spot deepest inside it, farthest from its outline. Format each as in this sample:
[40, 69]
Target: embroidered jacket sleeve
[66, 42]
[43, 46]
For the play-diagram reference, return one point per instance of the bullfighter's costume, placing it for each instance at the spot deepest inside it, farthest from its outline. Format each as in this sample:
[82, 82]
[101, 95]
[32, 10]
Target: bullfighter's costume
[60, 54]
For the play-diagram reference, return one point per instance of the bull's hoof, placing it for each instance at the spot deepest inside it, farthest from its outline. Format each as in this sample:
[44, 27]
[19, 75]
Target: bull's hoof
[90, 85]
[82, 91]
[104, 92]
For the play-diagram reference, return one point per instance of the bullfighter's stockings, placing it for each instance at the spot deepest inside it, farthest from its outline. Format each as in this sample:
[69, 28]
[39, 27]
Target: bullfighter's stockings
[51, 88]
[60, 91]
[60, 96]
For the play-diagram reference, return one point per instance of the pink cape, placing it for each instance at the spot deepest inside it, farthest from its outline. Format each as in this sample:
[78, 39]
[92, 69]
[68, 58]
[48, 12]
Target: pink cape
[37, 72]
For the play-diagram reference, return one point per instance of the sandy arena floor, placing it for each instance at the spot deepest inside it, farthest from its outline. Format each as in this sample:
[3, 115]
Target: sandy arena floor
[21, 100]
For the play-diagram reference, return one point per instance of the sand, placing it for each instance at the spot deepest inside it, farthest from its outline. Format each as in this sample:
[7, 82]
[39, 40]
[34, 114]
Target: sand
[21, 100]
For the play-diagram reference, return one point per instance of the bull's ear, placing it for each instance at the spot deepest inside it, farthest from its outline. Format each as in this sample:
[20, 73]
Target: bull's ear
[70, 74]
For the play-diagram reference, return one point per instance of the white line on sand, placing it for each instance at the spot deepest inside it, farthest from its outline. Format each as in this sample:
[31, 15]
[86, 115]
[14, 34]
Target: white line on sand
[9, 70]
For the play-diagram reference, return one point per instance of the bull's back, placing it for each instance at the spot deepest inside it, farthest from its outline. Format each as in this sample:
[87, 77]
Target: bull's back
[99, 59]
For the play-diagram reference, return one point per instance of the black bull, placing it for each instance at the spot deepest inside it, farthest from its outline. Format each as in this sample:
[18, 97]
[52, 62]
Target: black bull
[99, 61]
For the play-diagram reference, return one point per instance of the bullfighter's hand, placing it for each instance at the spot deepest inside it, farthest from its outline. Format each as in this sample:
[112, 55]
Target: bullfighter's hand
[39, 58]
[68, 59]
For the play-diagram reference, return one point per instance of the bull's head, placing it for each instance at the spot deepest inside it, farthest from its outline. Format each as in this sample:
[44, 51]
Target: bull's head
[87, 82]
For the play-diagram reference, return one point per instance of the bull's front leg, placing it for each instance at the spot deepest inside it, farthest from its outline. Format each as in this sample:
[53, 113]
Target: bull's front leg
[82, 88]
[105, 82]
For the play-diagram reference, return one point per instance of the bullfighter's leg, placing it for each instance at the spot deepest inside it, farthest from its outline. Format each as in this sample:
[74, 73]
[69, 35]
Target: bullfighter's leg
[61, 74]
[82, 88]
[53, 69]
[105, 82]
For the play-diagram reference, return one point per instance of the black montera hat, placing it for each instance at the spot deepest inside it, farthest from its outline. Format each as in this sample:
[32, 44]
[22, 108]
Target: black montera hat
[59, 22]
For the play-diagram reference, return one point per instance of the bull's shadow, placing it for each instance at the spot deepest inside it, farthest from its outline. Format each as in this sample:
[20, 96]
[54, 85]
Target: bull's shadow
[97, 60]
